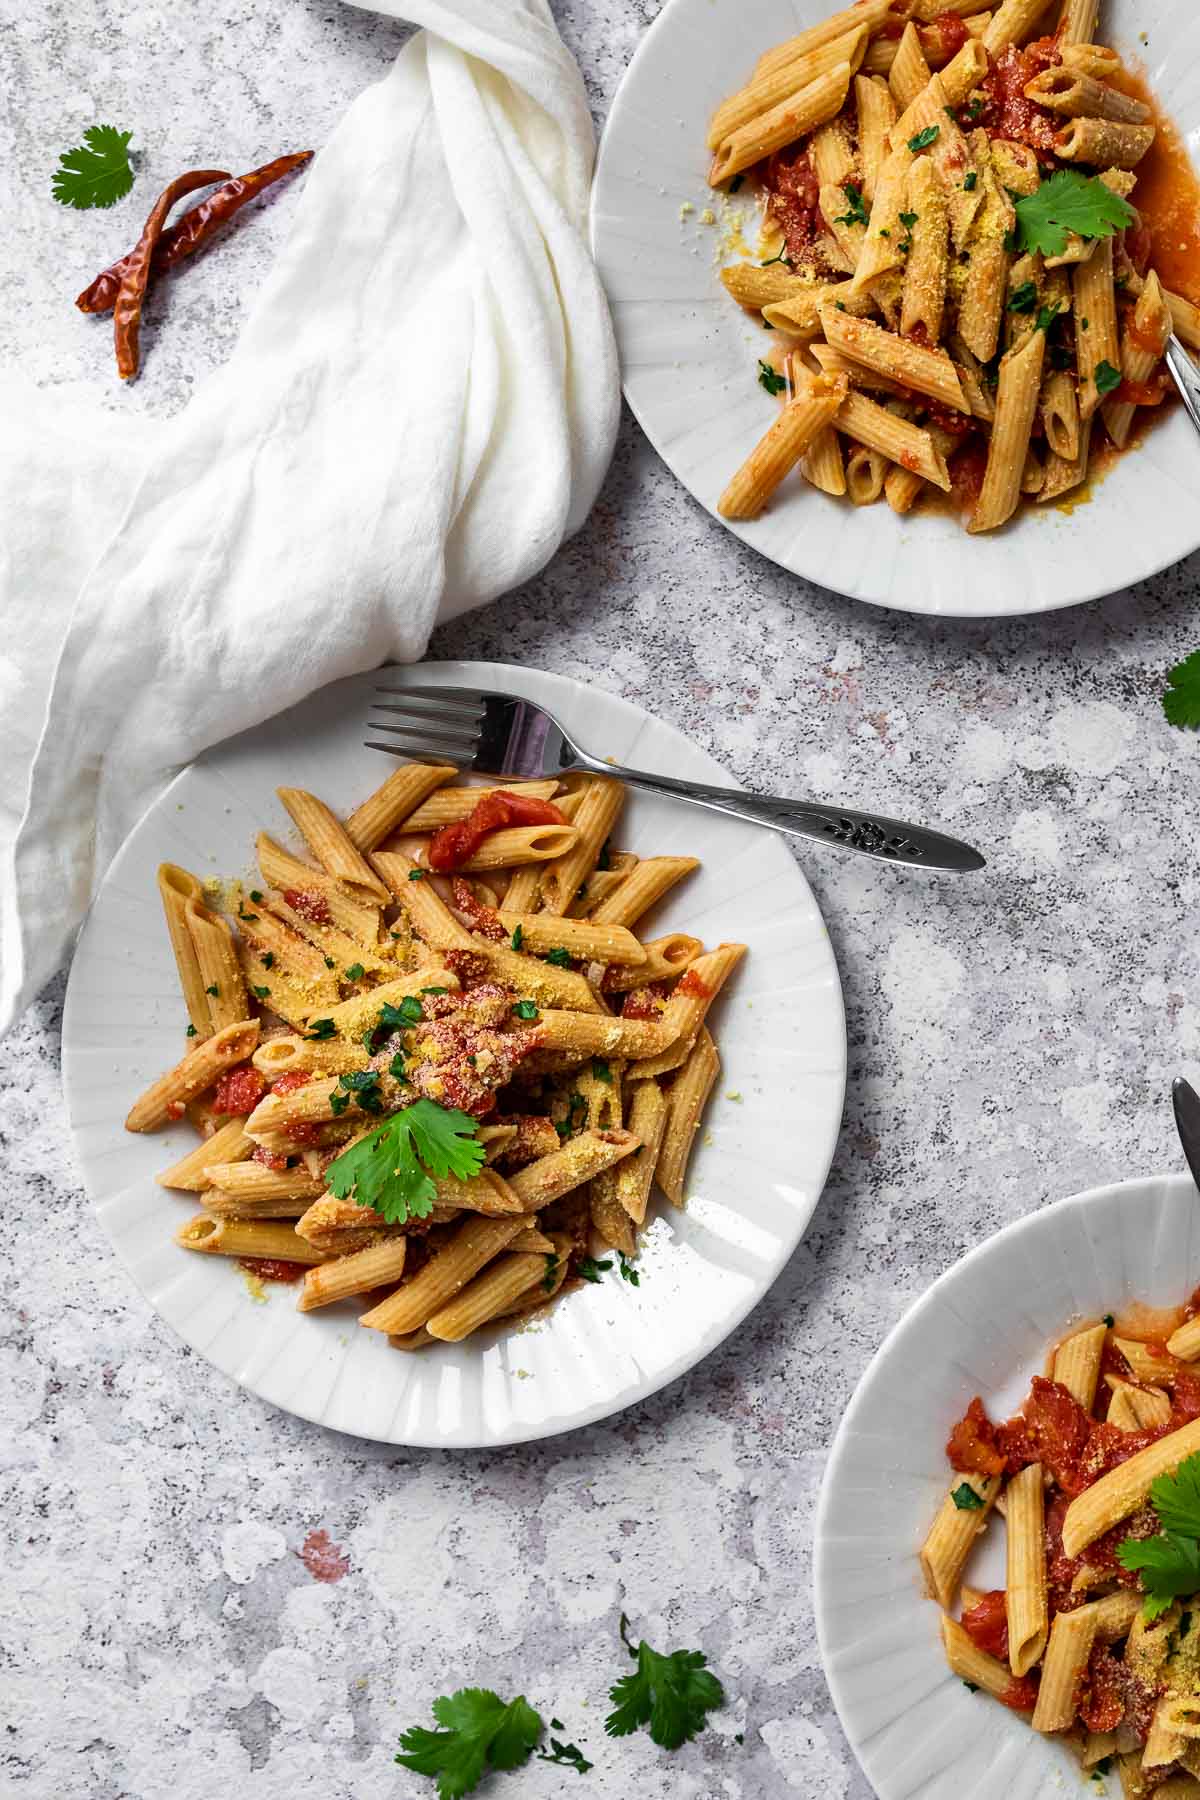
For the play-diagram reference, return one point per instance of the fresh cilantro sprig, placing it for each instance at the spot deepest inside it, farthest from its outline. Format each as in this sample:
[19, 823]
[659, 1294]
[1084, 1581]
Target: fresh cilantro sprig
[856, 213]
[479, 1732]
[1169, 1564]
[96, 172]
[1181, 702]
[389, 1170]
[1069, 202]
[672, 1694]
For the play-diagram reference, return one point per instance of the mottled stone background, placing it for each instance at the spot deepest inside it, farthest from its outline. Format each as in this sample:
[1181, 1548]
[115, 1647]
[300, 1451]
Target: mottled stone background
[1011, 1040]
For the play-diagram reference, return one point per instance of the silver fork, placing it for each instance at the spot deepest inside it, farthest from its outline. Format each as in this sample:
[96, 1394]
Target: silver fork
[504, 735]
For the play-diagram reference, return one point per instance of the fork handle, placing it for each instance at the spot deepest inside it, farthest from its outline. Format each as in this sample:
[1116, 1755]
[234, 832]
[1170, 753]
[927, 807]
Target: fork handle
[871, 834]
[1185, 376]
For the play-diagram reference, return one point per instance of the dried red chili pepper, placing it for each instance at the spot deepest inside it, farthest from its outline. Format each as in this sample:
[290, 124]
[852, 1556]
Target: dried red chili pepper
[127, 308]
[193, 231]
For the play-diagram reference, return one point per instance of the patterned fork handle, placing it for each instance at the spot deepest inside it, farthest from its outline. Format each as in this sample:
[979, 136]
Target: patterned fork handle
[871, 834]
[1186, 378]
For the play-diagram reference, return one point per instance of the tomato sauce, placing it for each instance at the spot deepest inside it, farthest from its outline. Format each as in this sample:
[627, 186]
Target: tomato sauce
[310, 903]
[793, 201]
[1007, 110]
[692, 984]
[483, 919]
[456, 843]
[986, 1624]
[943, 38]
[238, 1092]
[272, 1268]
[287, 1084]
[1167, 195]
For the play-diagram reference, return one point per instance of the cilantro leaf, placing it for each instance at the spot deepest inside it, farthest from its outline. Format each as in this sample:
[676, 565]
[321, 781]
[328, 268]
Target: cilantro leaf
[1169, 1567]
[770, 379]
[320, 1030]
[601, 1070]
[517, 936]
[355, 972]
[384, 1170]
[570, 1755]
[1181, 702]
[672, 1694]
[1023, 299]
[559, 957]
[966, 1499]
[525, 1009]
[628, 1272]
[479, 1732]
[1170, 1563]
[924, 138]
[97, 173]
[1045, 319]
[1067, 202]
[591, 1270]
[409, 1012]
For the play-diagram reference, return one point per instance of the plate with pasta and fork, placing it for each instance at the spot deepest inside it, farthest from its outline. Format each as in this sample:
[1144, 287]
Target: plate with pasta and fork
[893, 287]
[443, 1111]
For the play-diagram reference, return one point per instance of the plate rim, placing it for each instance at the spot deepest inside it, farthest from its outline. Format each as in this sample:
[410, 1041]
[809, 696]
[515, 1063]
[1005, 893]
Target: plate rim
[514, 1432]
[1084, 593]
[822, 1576]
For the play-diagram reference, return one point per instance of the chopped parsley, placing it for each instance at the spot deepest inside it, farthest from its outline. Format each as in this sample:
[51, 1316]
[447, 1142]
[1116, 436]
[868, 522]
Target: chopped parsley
[390, 1170]
[551, 1274]
[1109, 1320]
[1046, 317]
[1023, 299]
[973, 108]
[970, 181]
[262, 992]
[256, 895]
[330, 963]
[435, 990]
[191, 1030]
[416, 874]
[517, 938]
[355, 972]
[628, 1272]
[320, 1030]
[362, 1085]
[396, 1067]
[214, 990]
[398, 1018]
[525, 1009]
[268, 959]
[601, 1070]
[857, 213]
[966, 1499]
[770, 379]
[924, 138]
[576, 1115]
[1107, 378]
[559, 957]
[782, 257]
[591, 1270]
[908, 220]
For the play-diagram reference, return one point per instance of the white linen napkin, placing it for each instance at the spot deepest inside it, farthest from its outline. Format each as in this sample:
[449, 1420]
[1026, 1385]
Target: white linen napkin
[422, 405]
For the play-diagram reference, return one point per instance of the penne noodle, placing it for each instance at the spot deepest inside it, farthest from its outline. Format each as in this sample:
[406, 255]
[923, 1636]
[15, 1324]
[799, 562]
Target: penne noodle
[880, 250]
[1184, 1341]
[876, 116]
[518, 844]
[1016, 404]
[246, 1237]
[893, 438]
[925, 371]
[928, 260]
[291, 876]
[848, 233]
[579, 1159]
[597, 814]
[1122, 1491]
[833, 159]
[970, 1664]
[755, 287]
[822, 463]
[580, 1035]
[666, 959]
[871, 13]
[428, 913]
[1103, 142]
[801, 315]
[332, 846]
[910, 73]
[793, 118]
[198, 1070]
[1144, 1406]
[447, 805]
[686, 1101]
[489, 1295]
[1059, 408]
[177, 888]
[1012, 23]
[866, 471]
[687, 1009]
[399, 796]
[585, 940]
[768, 91]
[1077, 24]
[1062, 476]
[376, 1265]
[1143, 345]
[228, 1144]
[1146, 1364]
[220, 970]
[352, 1018]
[1077, 1364]
[608, 1218]
[284, 1055]
[902, 489]
[1068, 1650]
[634, 1175]
[1025, 1585]
[781, 448]
[447, 1272]
[1075, 95]
[953, 1536]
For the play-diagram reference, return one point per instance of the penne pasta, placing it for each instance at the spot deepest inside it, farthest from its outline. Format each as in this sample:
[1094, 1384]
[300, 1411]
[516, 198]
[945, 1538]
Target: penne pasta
[686, 1101]
[768, 91]
[1143, 344]
[220, 970]
[374, 1266]
[228, 1144]
[876, 116]
[164, 1099]
[1076, 1364]
[1016, 405]
[1116, 1495]
[781, 448]
[925, 371]
[1025, 1586]
[953, 1536]
[1104, 143]
[332, 845]
[793, 118]
[399, 796]
[265, 1238]
[580, 1158]
[177, 888]
[447, 1272]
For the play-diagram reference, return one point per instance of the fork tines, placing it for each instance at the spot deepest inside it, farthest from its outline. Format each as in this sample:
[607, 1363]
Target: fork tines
[431, 724]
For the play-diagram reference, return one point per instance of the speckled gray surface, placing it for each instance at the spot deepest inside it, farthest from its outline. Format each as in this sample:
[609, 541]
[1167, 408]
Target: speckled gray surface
[1011, 1040]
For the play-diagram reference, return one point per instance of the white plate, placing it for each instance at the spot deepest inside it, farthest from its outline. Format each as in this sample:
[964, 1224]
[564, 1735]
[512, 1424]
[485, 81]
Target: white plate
[983, 1328]
[755, 1178]
[688, 352]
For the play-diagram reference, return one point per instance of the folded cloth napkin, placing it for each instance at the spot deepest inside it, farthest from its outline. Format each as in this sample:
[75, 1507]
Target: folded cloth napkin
[421, 406]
